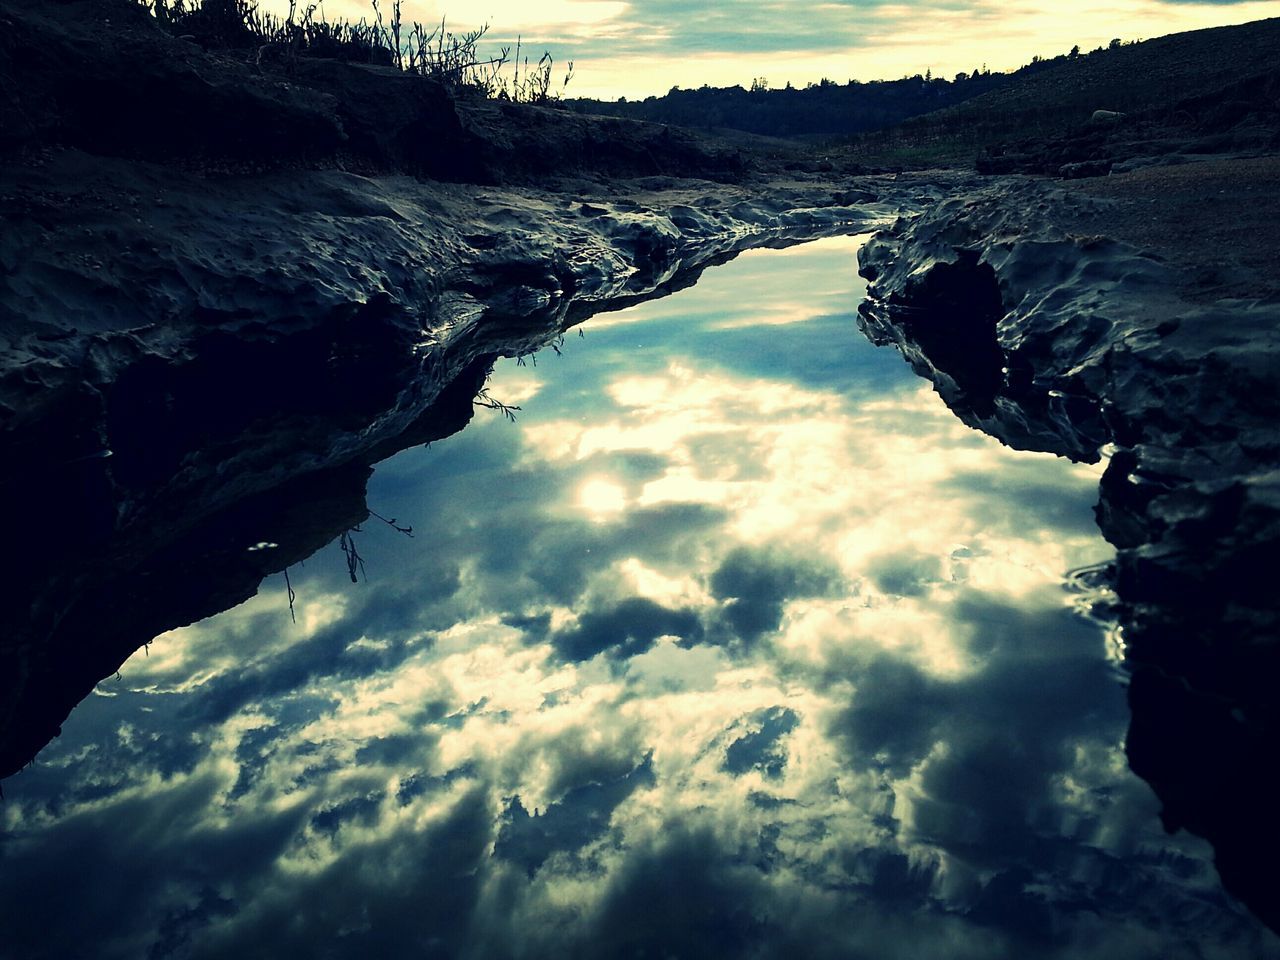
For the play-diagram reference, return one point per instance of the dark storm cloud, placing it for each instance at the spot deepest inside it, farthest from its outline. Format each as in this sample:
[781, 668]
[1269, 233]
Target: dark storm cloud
[251, 754]
[624, 630]
[140, 863]
[600, 754]
[579, 817]
[761, 749]
[1009, 727]
[534, 626]
[708, 904]
[182, 923]
[886, 876]
[895, 716]
[419, 784]
[362, 809]
[414, 890]
[395, 750]
[906, 573]
[755, 583]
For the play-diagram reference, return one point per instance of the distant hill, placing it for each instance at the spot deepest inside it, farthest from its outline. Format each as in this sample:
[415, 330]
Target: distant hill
[821, 110]
[1176, 77]
[1039, 96]
[1201, 76]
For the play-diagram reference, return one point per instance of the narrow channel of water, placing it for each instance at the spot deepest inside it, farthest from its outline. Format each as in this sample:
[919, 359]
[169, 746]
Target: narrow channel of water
[734, 643]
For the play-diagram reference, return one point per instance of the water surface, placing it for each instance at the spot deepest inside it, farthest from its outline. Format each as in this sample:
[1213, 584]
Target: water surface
[734, 643]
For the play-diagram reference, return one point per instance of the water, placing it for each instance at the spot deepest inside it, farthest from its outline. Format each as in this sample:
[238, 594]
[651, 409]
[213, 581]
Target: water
[734, 643]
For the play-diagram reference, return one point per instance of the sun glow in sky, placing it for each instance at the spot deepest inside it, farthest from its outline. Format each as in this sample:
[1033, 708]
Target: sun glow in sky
[645, 47]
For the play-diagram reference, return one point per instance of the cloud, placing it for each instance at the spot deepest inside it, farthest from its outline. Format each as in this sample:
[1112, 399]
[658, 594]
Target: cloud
[755, 583]
[566, 826]
[904, 574]
[393, 890]
[709, 907]
[761, 749]
[627, 629]
[621, 47]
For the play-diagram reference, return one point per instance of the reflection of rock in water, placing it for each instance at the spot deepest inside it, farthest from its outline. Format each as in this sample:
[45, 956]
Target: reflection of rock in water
[91, 601]
[1097, 347]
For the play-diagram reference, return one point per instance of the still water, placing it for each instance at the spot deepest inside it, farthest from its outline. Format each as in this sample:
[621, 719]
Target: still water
[734, 643]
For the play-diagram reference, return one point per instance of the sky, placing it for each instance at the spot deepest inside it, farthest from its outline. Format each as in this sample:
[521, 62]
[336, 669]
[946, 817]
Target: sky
[644, 47]
[721, 648]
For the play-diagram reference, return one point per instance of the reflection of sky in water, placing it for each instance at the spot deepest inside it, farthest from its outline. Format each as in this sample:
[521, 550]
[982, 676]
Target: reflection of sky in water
[736, 643]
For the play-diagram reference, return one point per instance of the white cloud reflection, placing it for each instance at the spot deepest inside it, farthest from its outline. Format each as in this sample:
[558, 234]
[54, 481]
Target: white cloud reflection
[716, 662]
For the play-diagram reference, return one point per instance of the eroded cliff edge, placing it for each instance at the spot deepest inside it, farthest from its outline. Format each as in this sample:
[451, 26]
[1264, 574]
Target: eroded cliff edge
[1040, 329]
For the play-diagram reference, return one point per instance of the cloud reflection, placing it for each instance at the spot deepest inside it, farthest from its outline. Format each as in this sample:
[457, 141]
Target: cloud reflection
[804, 688]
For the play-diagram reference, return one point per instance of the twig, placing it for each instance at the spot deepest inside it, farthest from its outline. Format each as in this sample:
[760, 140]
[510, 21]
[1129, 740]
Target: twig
[506, 409]
[354, 560]
[292, 596]
[393, 523]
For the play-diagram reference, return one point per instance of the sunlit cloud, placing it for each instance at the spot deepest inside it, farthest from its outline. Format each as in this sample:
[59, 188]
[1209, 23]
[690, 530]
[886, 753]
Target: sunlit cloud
[601, 497]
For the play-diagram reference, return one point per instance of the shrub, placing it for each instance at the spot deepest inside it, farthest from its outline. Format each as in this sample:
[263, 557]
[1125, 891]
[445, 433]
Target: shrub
[452, 59]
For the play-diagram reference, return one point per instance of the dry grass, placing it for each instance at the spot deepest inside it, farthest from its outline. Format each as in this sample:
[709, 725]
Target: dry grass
[452, 59]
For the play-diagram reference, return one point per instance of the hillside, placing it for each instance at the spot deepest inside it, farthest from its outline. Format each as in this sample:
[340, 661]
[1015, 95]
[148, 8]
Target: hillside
[1169, 80]
[822, 110]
